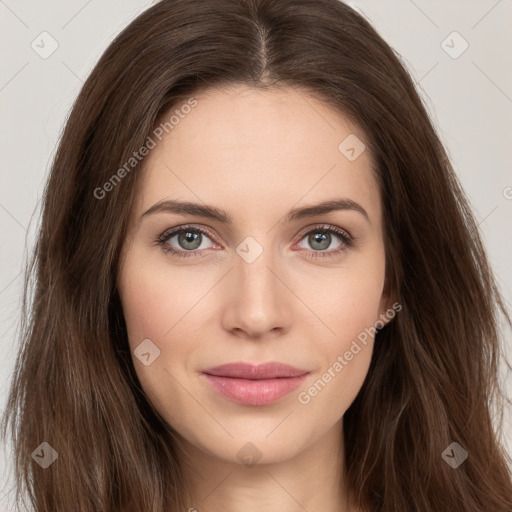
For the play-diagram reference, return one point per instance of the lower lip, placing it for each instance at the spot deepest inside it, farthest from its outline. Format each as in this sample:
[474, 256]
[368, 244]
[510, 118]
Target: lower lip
[254, 392]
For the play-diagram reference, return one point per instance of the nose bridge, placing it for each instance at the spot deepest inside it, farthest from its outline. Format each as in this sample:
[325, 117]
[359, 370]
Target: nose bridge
[253, 269]
[257, 302]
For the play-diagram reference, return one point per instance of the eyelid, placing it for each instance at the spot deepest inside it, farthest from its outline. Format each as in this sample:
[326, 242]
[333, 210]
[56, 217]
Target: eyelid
[169, 233]
[323, 227]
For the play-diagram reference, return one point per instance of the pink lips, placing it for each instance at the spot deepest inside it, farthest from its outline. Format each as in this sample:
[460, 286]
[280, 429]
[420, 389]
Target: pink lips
[254, 385]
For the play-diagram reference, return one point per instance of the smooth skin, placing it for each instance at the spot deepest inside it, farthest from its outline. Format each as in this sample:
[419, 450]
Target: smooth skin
[255, 155]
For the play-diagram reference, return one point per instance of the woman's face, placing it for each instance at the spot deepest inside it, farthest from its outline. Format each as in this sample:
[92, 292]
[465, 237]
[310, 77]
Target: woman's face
[259, 285]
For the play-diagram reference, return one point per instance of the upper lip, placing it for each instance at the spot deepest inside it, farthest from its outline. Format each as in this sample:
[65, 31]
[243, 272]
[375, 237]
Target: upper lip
[243, 370]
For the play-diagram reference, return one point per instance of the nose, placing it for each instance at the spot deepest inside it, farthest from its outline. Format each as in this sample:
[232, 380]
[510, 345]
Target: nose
[257, 301]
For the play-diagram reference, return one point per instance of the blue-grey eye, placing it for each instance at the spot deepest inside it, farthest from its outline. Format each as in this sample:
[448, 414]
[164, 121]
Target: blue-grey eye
[188, 239]
[321, 240]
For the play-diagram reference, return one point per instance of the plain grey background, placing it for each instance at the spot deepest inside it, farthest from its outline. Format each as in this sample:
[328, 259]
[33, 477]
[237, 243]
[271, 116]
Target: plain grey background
[464, 77]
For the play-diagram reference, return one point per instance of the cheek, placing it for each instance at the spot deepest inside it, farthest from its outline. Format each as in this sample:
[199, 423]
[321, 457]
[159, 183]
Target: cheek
[149, 314]
[155, 299]
[161, 308]
[345, 355]
[349, 306]
[347, 301]
[328, 395]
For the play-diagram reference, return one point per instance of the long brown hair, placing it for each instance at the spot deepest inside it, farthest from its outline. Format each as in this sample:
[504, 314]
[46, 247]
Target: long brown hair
[433, 376]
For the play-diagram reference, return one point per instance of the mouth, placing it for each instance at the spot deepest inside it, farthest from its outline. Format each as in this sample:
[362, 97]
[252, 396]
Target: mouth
[254, 384]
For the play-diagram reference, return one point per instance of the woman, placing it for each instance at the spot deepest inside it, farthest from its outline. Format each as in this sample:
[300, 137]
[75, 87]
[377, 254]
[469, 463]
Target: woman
[259, 285]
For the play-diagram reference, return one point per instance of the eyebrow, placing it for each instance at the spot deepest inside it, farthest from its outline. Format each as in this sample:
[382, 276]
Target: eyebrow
[211, 212]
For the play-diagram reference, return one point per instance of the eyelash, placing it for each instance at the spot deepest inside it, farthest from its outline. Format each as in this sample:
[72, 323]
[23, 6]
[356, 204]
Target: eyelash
[347, 241]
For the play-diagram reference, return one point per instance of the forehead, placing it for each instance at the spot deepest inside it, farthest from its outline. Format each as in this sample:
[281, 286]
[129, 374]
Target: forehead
[258, 150]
